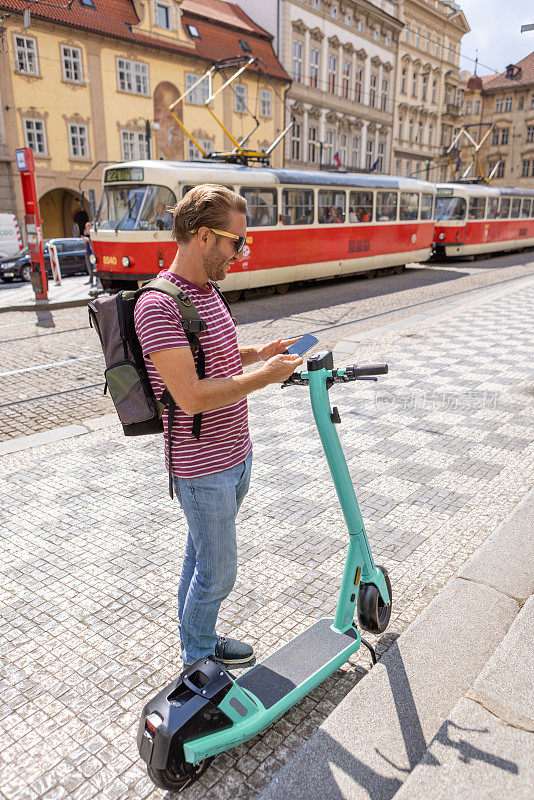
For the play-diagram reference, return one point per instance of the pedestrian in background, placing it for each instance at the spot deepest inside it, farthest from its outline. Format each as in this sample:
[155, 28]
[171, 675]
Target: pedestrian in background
[88, 253]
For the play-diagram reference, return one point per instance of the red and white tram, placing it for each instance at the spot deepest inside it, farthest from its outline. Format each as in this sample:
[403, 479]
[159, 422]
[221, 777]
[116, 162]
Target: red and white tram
[301, 225]
[472, 219]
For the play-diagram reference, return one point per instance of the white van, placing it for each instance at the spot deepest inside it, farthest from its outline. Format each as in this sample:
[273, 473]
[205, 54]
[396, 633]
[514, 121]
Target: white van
[10, 236]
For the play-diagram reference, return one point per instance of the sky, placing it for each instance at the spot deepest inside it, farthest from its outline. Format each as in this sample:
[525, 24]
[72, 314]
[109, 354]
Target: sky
[496, 33]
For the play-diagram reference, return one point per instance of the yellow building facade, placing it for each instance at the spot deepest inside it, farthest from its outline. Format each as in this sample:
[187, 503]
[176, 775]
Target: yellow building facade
[84, 98]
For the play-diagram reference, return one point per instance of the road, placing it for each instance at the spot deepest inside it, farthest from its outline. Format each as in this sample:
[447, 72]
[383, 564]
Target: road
[55, 377]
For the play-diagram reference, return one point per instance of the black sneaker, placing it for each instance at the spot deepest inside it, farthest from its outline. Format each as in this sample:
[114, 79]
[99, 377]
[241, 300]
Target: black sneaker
[233, 653]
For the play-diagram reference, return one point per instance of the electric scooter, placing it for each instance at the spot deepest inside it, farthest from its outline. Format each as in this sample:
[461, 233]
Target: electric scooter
[206, 710]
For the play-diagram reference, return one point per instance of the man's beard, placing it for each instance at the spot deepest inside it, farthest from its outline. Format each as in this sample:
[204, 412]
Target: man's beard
[215, 266]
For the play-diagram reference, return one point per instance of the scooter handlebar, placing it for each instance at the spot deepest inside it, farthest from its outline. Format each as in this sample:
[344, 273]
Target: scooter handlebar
[361, 370]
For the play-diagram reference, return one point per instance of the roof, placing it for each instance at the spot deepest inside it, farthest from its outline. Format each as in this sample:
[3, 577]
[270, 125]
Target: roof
[188, 171]
[524, 76]
[484, 190]
[221, 25]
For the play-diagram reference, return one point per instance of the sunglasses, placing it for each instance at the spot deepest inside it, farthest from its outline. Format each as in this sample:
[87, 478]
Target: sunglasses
[239, 241]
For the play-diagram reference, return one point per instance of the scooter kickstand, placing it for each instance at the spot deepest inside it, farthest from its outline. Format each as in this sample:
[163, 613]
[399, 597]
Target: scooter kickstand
[371, 650]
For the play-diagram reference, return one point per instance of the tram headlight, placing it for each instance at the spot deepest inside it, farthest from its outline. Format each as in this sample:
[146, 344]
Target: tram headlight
[440, 237]
[93, 259]
[126, 261]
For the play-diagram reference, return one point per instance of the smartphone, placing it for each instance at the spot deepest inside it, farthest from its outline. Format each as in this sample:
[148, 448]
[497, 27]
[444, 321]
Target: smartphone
[304, 344]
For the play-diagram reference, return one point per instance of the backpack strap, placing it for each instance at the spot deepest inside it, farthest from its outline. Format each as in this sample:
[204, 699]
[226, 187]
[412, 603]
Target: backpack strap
[223, 298]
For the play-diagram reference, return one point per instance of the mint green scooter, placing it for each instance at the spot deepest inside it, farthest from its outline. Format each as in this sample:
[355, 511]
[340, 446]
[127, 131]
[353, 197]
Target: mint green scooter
[206, 711]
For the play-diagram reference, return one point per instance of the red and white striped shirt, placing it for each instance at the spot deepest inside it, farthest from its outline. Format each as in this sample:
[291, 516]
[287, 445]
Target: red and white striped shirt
[224, 435]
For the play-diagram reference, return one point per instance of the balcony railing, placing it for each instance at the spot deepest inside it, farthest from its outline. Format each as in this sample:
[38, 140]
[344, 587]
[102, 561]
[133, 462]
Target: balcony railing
[453, 110]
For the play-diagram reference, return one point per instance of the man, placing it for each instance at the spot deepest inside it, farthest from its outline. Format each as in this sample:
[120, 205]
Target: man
[88, 253]
[211, 474]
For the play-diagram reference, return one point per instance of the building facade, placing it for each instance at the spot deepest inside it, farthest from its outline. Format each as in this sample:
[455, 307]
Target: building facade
[503, 105]
[84, 88]
[341, 56]
[430, 88]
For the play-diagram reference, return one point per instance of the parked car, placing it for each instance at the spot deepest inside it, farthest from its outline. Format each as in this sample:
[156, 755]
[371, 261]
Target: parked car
[71, 255]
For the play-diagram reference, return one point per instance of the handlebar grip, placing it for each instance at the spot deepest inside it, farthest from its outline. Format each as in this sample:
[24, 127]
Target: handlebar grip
[358, 370]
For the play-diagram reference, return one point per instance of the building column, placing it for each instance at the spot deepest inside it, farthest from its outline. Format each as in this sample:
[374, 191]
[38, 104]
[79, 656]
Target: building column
[323, 77]
[305, 135]
[339, 70]
[306, 61]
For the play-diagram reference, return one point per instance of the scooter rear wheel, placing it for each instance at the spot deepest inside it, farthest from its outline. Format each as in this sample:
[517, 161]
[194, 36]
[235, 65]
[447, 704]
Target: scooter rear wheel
[175, 778]
[373, 613]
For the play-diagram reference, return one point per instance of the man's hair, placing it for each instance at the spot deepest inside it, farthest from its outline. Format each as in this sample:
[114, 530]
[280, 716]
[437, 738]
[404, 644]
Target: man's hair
[207, 206]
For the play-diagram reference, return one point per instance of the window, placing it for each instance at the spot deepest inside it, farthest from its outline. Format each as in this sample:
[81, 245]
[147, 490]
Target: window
[297, 206]
[343, 149]
[361, 27]
[426, 206]
[163, 16]
[417, 37]
[297, 61]
[414, 84]
[492, 209]
[504, 207]
[380, 157]
[132, 76]
[193, 31]
[437, 47]
[516, 205]
[136, 207]
[521, 104]
[434, 90]
[26, 55]
[134, 145]
[427, 45]
[530, 133]
[262, 206]
[386, 206]
[424, 83]
[330, 146]
[508, 104]
[200, 93]
[369, 154]
[450, 208]
[525, 208]
[34, 134]
[240, 98]
[498, 104]
[430, 134]
[345, 85]
[87, 3]
[525, 169]
[376, 34]
[313, 146]
[408, 205]
[419, 138]
[193, 151]
[348, 19]
[332, 74]
[265, 103]
[314, 67]
[372, 90]
[387, 40]
[244, 45]
[468, 107]
[477, 107]
[331, 206]
[384, 99]
[315, 4]
[504, 136]
[71, 61]
[532, 100]
[406, 33]
[410, 131]
[477, 208]
[78, 141]
[333, 11]
[495, 136]
[360, 207]
[358, 85]
[401, 125]
[403, 81]
[295, 141]
[355, 151]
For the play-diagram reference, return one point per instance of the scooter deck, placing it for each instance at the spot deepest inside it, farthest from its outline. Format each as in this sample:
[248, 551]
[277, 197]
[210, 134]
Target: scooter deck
[295, 662]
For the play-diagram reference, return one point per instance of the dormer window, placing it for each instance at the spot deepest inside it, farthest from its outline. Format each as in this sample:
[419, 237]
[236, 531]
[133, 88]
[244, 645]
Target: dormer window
[193, 31]
[512, 71]
[244, 45]
[87, 3]
[163, 16]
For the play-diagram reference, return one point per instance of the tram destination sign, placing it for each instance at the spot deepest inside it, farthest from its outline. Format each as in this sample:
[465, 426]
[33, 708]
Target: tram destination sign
[444, 191]
[124, 174]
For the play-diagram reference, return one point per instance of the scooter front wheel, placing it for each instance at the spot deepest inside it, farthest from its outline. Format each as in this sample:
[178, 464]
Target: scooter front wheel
[176, 777]
[373, 613]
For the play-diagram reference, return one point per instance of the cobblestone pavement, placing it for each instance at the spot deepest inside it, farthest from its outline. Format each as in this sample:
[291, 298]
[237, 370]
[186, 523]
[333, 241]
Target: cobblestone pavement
[440, 452]
[54, 377]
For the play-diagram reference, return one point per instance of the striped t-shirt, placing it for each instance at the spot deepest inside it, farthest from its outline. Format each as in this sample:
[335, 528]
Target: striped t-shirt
[224, 435]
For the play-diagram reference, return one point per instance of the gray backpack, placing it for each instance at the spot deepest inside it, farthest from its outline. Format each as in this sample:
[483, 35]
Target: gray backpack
[139, 411]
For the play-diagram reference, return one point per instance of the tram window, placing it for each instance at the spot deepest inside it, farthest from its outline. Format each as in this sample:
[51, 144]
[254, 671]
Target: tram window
[192, 185]
[297, 206]
[504, 207]
[493, 207]
[426, 206]
[450, 208]
[262, 206]
[386, 206]
[138, 207]
[331, 206]
[157, 211]
[525, 208]
[361, 207]
[409, 205]
[516, 205]
[477, 206]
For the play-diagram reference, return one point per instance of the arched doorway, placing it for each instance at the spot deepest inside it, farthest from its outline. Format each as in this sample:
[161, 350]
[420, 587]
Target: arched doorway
[62, 213]
[169, 138]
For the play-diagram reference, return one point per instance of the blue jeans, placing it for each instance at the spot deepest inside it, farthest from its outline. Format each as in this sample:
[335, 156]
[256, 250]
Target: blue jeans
[210, 504]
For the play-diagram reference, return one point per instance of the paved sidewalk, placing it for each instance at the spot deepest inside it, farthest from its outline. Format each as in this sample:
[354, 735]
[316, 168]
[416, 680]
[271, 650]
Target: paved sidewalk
[72, 291]
[440, 452]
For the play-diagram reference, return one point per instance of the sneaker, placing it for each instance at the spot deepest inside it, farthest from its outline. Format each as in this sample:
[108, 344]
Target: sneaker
[232, 652]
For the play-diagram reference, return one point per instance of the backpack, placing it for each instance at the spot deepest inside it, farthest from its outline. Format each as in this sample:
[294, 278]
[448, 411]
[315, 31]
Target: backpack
[126, 376]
